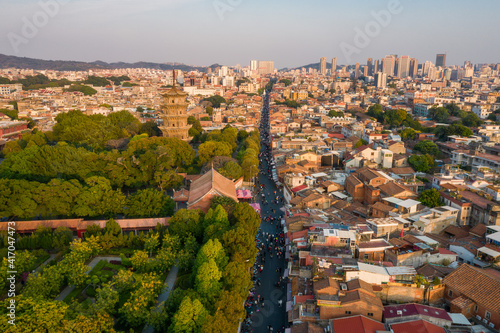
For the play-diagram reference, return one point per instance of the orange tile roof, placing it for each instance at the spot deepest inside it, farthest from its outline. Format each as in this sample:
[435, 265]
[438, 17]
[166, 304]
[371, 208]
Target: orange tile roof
[474, 283]
[356, 324]
[211, 181]
[420, 326]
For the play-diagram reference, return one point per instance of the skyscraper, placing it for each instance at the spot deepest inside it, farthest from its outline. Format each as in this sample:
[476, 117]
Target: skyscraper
[403, 67]
[425, 68]
[334, 65]
[375, 68]
[369, 64]
[253, 65]
[441, 60]
[356, 70]
[388, 64]
[413, 67]
[322, 66]
[266, 67]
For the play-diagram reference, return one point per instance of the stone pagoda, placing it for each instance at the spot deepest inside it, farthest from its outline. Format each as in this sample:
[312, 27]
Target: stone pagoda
[173, 113]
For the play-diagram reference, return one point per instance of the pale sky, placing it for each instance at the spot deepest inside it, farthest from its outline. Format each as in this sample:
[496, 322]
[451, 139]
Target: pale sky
[292, 33]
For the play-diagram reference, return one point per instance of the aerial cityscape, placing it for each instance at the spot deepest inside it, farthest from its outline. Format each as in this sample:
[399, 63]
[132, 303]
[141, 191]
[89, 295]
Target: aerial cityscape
[255, 167]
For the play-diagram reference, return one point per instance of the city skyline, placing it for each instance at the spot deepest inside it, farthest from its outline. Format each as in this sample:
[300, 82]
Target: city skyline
[193, 31]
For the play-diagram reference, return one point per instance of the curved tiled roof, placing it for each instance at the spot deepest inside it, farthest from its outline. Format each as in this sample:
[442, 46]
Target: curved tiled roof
[211, 181]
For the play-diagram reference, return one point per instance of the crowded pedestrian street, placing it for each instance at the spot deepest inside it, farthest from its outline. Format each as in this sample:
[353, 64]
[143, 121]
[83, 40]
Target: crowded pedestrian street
[266, 304]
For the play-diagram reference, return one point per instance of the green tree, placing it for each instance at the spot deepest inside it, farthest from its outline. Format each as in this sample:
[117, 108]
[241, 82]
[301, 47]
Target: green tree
[107, 298]
[360, 143]
[140, 260]
[427, 147]
[150, 128]
[97, 81]
[421, 163]
[334, 113]
[439, 114]
[93, 230]
[190, 317]
[231, 170]
[376, 112]
[471, 120]
[185, 223]
[431, 198]
[210, 149]
[286, 82]
[216, 100]
[112, 227]
[236, 277]
[86, 90]
[148, 203]
[408, 134]
[207, 280]
[151, 243]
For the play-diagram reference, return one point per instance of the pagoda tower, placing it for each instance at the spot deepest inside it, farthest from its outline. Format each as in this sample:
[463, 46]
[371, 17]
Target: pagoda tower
[173, 113]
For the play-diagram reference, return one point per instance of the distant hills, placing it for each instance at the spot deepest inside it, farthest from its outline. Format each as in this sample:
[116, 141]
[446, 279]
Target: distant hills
[7, 61]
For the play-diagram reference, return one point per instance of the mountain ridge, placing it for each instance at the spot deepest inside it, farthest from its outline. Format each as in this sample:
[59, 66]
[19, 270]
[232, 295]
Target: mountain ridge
[8, 61]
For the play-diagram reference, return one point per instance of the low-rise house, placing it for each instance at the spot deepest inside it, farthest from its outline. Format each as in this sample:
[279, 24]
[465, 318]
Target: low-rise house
[474, 292]
[414, 311]
[437, 219]
[376, 274]
[416, 326]
[356, 324]
[355, 297]
[372, 250]
[383, 227]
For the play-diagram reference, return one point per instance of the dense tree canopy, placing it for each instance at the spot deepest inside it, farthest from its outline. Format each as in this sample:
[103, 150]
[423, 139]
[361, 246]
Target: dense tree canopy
[216, 100]
[427, 147]
[430, 198]
[421, 163]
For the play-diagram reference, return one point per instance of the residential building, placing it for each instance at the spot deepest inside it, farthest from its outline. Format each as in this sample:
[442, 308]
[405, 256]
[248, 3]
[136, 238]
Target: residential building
[382, 227]
[356, 324]
[474, 292]
[413, 311]
[322, 66]
[441, 60]
[437, 219]
[355, 297]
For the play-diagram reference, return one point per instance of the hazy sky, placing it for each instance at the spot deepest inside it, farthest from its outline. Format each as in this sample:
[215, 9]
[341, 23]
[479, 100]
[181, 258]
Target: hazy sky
[290, 32]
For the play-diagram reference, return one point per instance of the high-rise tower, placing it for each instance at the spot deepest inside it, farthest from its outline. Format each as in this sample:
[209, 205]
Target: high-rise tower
[173, 114]
[441, 60]
[322, 66]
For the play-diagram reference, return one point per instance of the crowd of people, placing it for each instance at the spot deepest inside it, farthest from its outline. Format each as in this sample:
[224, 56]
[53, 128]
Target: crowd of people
[271, 246]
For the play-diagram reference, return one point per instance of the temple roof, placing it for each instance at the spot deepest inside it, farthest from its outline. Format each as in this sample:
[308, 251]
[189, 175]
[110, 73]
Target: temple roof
[212, 180]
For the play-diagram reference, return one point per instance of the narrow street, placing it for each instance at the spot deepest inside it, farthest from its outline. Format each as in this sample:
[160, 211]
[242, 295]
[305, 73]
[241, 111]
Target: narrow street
[268, 315]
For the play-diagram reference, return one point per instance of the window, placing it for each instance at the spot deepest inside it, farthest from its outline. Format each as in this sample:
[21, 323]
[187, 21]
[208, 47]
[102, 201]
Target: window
[475, 308]
[370, 314]
[348, 312]
[487, 315]
[366, 256]
[450, 293]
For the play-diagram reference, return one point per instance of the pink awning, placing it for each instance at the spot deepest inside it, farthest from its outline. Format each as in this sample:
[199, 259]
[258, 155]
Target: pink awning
[256, 206]
[244, 194]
